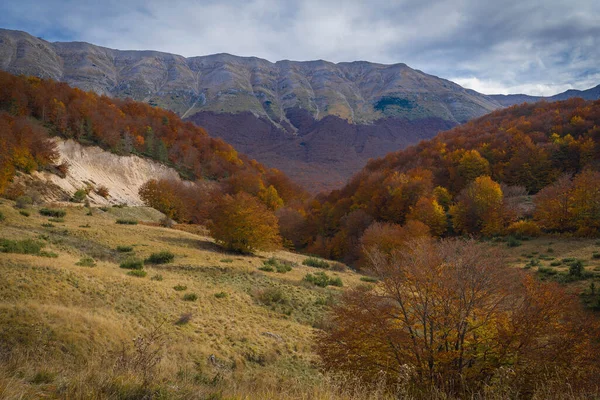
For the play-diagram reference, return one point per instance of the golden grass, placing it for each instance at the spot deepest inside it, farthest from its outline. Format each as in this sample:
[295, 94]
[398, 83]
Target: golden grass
[69, 320]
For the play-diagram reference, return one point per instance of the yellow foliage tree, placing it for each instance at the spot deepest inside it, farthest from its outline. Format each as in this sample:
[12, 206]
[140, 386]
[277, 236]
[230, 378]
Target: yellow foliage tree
[479, 208]
[471, 166]
[431, 213]
[242, 223]
[270, 197]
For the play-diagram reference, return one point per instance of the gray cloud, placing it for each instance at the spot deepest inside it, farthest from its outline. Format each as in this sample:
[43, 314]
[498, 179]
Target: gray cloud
[509, 46]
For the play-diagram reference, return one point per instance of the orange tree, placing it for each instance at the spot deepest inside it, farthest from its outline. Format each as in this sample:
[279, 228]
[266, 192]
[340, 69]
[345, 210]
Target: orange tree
[456, 315]
[242, 223]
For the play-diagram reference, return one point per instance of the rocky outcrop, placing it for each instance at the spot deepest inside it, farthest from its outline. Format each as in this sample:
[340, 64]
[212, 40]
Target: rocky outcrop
[91, 166]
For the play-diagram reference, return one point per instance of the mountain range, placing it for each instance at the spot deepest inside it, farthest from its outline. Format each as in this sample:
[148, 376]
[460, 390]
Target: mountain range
[317, 121]
[508, 100]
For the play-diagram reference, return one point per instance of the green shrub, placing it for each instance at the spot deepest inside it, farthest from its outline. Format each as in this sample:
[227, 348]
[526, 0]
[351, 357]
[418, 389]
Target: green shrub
[180, 288]
[48, 225]
[555, 263]
[86, 262]
[104, 209]
[2, 217]
[316, 263]
[79, 196]
[125, 221]
[576, 268]
[157, 277]
[568, 259]
[190, 297]
[596, 255]
[227, 260]
[124, 249]
[26, 246]
[140, 273]
[48, 254]
[550, 250]
[52, 212]
[337, 281]
[57, 220]
[220, 295]
[511, 241]
[369, 279]
[23, 202]
[132, 264]
[162, 257]
[321, 279]
[547, 271]
[24, 213]
[273, 264]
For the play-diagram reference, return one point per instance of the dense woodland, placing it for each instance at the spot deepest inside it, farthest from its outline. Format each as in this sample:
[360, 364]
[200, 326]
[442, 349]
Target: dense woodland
[476, 179]
[32, 110]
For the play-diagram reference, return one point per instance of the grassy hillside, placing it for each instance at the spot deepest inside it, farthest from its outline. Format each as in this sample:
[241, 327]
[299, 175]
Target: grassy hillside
[71, 330]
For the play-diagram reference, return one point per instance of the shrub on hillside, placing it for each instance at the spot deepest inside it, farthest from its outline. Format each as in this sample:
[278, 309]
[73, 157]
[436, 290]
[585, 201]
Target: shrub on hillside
[316, 263]
[321, 279]
[274, 264]
[79, 196]
[24, 213]
[162, 257]
[86, 261]
[53, 212]
[102, 191]
[126, 221]
[512, 241]
[124, 249]
[190, 297]
[139, 273]
[26, 246]
[132, 264]
[23, 201]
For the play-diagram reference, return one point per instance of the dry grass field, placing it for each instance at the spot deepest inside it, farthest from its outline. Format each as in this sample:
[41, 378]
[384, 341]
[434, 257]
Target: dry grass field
[71, 330]
[206, 325]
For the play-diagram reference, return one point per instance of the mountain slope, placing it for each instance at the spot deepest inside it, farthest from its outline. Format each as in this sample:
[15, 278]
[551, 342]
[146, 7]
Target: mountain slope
[513, 99]
[357, 91]
[301, 117]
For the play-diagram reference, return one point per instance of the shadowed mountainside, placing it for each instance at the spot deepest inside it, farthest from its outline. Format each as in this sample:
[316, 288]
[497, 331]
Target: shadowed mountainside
[322, 154]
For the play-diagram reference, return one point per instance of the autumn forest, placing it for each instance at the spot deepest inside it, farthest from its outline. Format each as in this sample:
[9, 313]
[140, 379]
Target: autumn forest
[443, 310]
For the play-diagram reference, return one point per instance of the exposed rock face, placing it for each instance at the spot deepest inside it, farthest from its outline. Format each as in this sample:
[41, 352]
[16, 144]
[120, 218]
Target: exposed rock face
[317, 121]
[121, 175]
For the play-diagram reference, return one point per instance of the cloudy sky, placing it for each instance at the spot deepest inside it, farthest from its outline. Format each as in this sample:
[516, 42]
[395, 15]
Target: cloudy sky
[538, 47]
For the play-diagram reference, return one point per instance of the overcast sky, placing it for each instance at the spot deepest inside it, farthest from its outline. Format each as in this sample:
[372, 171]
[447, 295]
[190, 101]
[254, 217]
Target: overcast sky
[538, 47]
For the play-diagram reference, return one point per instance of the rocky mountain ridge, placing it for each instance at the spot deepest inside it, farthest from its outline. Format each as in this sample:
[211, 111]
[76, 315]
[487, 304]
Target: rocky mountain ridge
[359, 92]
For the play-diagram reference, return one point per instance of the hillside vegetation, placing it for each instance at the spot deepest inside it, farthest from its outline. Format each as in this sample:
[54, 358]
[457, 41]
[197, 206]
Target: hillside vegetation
[528, 169]
[32, 110]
